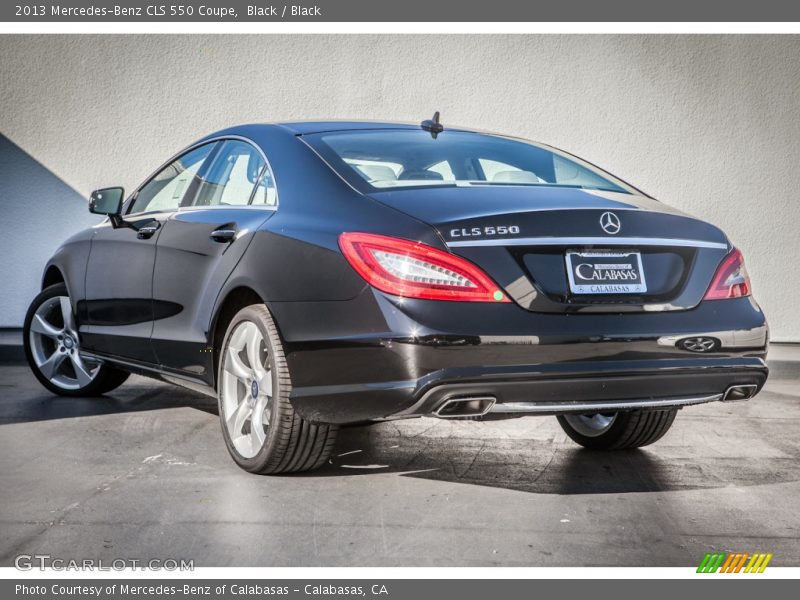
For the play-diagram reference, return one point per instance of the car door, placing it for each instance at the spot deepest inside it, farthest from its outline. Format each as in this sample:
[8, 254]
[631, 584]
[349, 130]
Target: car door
[198, 248]
[118, 309]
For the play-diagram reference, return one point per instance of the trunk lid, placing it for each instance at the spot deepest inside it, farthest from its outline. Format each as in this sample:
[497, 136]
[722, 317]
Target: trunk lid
[531, 240]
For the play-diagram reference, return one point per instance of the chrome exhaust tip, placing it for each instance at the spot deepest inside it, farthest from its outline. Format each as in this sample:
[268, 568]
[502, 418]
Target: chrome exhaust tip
[473, 406]
[739, 392]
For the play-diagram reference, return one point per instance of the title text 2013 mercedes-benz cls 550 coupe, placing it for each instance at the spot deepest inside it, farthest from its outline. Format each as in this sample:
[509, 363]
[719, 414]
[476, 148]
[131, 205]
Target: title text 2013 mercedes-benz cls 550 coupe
[322, 273]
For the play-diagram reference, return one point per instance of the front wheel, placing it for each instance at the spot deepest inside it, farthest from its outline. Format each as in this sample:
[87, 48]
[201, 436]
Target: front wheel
[53, 349]
[262, 431]
[618, 431]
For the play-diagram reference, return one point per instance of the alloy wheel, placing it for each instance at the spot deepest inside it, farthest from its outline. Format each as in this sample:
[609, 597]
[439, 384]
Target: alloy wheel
[246, 390]
[591, 425]
[55, 346]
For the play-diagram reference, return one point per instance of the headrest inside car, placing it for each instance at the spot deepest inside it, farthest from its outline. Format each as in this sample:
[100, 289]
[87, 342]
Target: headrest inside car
[377, 172]
[516, 177]
[421, 174]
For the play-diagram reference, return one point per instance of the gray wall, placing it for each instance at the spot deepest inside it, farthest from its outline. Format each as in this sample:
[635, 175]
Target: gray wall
[37, 211]
[710, 124]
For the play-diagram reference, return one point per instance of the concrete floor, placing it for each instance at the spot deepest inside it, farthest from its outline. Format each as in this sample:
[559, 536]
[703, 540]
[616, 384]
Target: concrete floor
[144, 474]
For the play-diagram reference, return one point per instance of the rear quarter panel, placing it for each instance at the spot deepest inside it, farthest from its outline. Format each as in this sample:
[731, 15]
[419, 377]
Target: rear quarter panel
[295, 256]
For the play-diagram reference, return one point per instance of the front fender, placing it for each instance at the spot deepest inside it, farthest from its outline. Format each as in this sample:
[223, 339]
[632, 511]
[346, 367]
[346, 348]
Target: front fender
[71, 260]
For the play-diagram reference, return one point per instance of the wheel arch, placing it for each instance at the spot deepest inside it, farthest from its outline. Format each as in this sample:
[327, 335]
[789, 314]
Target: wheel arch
[52, 276]
[234, 301]
[55, 274]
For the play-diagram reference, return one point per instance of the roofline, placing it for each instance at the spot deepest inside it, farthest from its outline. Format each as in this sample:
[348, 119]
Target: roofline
[301, 128]
[329, 125]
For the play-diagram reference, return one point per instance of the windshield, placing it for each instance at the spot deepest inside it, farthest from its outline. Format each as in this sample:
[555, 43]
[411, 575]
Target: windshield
[400, 158]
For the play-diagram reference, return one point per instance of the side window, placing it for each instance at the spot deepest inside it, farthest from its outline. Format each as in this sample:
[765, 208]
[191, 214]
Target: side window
[166, 190]
[266, 194]
[233, 174]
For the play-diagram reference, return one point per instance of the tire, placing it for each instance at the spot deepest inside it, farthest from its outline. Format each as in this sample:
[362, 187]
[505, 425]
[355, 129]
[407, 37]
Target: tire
[253, 379]
[619, 431]
[52, 348]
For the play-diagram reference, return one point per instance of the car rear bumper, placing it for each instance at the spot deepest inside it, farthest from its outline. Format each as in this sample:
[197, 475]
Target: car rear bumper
[563, 389]
[619, 386]
[383, 358]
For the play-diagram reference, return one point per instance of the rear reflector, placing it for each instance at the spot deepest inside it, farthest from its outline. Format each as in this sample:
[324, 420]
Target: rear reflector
[414, 270]
[731, 279]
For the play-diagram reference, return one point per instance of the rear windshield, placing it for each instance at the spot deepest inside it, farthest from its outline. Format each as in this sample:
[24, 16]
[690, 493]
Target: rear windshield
[402, 158]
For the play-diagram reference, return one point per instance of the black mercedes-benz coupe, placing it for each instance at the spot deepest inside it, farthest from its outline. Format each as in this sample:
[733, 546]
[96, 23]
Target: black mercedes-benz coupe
[322, 273]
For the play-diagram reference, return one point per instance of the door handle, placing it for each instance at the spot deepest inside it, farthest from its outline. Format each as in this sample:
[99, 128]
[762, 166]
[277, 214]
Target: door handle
[223, 235]
[145, 232]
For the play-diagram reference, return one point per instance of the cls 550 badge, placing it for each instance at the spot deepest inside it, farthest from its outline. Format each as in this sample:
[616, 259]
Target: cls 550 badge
[488, 230]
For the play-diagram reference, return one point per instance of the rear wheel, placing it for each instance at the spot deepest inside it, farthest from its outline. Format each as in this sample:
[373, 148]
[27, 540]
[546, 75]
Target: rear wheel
[261, 429]
[618, 431]
[53, 349]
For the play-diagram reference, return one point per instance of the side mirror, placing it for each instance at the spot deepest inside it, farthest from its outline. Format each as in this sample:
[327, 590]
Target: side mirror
[107, 201]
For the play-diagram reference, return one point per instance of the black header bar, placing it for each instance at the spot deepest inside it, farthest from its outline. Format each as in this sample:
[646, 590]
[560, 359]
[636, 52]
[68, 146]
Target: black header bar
[401, 11]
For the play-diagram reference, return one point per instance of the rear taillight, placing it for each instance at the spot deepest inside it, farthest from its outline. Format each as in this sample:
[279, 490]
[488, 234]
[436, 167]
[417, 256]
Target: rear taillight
[415, 270]
[731, 279]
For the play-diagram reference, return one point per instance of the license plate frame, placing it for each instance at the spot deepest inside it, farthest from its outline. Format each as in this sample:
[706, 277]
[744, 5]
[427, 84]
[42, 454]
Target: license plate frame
[603, 263]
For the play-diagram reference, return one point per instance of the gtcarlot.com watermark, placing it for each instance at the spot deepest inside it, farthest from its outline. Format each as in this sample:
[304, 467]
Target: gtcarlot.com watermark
[30, 562]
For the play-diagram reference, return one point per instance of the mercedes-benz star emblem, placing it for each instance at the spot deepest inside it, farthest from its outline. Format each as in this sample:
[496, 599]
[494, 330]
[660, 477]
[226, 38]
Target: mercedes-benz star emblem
[699, 344]
[610, 223]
